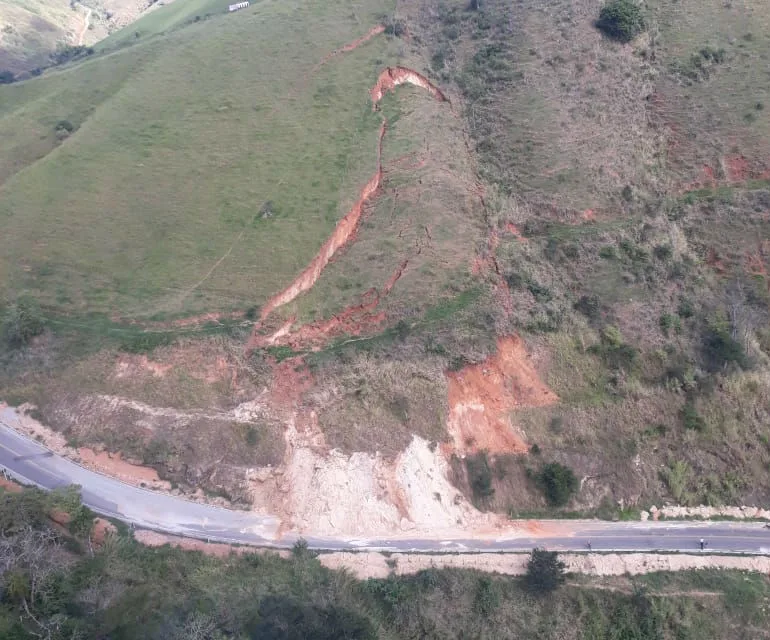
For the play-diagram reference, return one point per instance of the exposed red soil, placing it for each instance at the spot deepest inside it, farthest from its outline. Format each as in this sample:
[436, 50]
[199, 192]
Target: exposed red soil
[342, 234]
[392, 77]
[290, 380]
[115, 466]
[737, 169]
[715, 261]
[60, 517]
[101, 530]
[482, 396]
[353, 321]
[514, 231]
[9, 485]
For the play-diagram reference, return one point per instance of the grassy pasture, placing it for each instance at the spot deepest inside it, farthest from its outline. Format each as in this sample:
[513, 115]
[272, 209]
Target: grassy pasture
[216, 142]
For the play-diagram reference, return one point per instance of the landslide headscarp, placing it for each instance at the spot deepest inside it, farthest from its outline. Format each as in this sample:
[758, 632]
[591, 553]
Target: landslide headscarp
[346, 227]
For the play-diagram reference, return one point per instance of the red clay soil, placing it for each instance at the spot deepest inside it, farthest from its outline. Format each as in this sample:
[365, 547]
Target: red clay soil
[515, 232]
[346, 227]
[341, 234]
[482, 396]
[9, 485]
[395, 76]
[101, 530]
[352, 321]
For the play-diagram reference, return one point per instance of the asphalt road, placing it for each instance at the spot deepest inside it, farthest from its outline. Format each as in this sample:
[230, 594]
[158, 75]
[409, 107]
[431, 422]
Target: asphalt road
[31, 463]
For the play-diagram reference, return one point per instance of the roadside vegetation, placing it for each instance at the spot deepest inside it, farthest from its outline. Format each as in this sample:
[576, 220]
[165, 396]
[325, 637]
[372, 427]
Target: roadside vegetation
[55, 583]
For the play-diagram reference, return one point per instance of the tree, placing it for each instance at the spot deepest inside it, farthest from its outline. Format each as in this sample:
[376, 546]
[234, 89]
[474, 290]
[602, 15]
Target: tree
[621, 19]
[22, 321]
[545, 572]
[558, 483]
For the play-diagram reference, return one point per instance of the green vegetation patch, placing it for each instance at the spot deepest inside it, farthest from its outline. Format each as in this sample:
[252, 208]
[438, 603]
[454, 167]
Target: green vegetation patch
[147, 200]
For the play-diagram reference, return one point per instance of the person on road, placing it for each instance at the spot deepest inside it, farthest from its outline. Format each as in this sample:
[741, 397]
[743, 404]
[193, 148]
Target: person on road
[702, 544]
[589, 545]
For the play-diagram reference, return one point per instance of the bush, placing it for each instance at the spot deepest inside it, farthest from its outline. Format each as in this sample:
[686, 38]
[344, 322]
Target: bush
[7, 77]
[64, 125]
[479, 475]
[616, 354]
[590, 306]
[558, 482]
[621, 20]
[545, 572]
[691, 419]
[22, 321]
[395, 28]
[721, 349]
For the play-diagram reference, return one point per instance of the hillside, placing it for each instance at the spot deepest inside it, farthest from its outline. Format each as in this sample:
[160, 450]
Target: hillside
[382, 266]
[33, 33]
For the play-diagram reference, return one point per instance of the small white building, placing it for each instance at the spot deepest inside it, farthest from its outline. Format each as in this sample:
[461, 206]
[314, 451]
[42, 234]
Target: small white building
[238, 5]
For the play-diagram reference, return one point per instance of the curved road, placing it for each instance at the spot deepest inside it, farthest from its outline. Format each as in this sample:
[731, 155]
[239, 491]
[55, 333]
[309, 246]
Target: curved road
[31, 463]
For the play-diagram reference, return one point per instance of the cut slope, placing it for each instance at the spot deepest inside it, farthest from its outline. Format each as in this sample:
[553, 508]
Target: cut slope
[482, 396]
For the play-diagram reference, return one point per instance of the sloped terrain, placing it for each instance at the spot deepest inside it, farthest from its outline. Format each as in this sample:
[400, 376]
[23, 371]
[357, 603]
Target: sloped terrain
[384, 267]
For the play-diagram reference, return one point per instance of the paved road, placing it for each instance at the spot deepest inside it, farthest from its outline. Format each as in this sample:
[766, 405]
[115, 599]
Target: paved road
[31, 463]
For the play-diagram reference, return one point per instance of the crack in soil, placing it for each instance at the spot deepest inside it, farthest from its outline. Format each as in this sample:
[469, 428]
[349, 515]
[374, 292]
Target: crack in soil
[345, 229]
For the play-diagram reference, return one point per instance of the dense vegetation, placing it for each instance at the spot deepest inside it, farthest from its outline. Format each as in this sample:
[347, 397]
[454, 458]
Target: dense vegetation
[621, 19]
[55, 585]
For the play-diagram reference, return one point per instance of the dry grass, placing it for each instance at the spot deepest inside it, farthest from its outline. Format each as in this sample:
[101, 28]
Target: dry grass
[373, 404]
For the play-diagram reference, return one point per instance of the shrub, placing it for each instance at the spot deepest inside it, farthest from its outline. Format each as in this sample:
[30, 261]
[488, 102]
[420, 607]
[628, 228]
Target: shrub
[615, 353]
[691, 419]
[487, 596]
[558, 482]
[22, 321]
[589, 306]
[7, 77]
[64, 125]
[395, 28]
[608, 252]
[545, 572]
[621, 20]
[685, 309]
[721, 349]
[479, 475]
[670, 321]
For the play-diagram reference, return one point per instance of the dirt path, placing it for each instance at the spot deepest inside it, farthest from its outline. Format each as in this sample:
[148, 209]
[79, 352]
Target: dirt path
[86, 24]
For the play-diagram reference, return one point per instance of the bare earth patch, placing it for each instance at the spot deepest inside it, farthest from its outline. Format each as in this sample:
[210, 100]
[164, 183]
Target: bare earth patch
[482, 396]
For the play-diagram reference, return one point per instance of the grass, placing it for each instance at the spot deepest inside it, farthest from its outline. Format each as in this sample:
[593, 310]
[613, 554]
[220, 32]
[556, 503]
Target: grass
[151, 193]
[31, 30]
[703, 131]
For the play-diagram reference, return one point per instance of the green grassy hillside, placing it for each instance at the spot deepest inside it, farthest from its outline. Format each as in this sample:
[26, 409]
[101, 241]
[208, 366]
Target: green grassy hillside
[213, 141]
